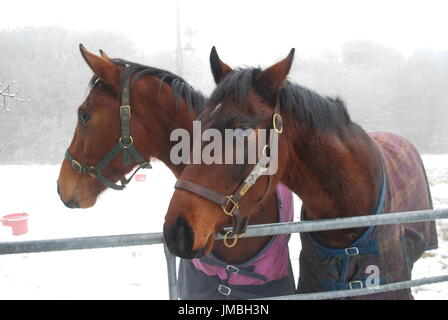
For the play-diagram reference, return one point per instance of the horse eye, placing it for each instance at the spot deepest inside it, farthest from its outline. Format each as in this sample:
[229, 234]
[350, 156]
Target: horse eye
[83, 117]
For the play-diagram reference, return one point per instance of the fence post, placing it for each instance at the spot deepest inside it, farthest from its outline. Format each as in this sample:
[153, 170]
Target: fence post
[172, 273]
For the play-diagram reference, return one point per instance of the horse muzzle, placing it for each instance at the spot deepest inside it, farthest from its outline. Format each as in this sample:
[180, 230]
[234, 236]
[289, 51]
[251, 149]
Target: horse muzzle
[179, 239]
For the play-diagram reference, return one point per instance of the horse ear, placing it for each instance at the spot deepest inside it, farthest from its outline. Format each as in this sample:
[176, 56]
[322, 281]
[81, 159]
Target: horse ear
[103, 68]
[219, 68]
[271, 80]
[104, 55]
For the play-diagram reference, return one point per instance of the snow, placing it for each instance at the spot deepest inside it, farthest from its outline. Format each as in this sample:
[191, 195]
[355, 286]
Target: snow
[116, 273]
[134, 272]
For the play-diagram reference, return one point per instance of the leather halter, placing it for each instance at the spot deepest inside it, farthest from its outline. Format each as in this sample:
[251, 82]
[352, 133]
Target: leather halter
[124, 145]
[230, 203]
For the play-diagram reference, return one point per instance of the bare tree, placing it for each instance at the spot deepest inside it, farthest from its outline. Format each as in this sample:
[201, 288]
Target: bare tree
[7, 92]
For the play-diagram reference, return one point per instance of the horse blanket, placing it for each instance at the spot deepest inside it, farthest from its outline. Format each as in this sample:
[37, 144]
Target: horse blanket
[267, 274]
[391, 248]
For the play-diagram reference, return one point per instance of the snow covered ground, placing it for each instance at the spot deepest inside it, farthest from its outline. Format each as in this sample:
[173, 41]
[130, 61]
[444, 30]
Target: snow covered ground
[133, 272]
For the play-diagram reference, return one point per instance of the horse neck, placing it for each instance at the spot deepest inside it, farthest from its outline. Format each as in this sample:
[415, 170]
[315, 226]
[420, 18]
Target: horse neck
[336, 173]
[161, 114]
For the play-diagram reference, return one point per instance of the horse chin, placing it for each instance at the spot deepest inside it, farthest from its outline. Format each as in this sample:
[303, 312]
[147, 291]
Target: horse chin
[87, 196]
[89, 203]
[81, 200]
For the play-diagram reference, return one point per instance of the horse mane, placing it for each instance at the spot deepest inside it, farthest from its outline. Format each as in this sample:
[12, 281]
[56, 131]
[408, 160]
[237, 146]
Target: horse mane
[194, 99]
[320, 112]
[307, 106]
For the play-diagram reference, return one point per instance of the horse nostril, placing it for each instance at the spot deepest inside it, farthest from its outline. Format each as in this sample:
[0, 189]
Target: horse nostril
[185, 236]
[179, 238]
[72, 204]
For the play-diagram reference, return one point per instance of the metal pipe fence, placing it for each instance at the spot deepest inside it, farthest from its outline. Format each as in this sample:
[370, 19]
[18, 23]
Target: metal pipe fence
[16, 247]
[360, 292]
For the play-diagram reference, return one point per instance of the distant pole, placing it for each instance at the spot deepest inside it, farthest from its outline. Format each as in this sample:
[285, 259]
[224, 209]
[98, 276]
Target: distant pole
[179, 62]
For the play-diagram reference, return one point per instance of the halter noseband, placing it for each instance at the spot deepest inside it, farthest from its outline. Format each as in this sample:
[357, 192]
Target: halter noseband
[124, 145]
[230, 203]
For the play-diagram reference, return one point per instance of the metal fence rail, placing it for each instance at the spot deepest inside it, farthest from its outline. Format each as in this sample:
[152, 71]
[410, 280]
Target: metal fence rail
[15, 247]
[252, 231]
[361, 292]
[66, 244]
[344, 223]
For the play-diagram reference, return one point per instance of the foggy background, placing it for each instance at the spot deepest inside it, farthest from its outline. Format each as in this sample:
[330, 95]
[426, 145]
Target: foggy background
[388, 61]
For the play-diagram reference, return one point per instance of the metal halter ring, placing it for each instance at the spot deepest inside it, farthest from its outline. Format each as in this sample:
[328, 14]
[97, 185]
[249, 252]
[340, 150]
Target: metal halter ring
[235, 239]
[126, 145]
[277, 123]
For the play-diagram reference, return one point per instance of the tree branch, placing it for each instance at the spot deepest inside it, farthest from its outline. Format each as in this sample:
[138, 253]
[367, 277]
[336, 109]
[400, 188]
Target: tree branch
[5, 93]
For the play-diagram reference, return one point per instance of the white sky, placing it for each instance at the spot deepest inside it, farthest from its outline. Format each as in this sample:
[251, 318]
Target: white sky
[248, 32]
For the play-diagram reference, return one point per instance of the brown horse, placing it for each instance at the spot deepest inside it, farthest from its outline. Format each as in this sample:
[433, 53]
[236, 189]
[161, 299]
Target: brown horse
[160, 102]
[330, 162]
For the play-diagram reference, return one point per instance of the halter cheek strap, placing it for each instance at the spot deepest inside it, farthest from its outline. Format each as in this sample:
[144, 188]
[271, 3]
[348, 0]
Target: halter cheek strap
[124, 145]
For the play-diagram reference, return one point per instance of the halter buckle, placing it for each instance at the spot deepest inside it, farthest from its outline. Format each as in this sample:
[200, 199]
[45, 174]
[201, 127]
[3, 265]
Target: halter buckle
[233, 203]
[76, 166]
[125, 113]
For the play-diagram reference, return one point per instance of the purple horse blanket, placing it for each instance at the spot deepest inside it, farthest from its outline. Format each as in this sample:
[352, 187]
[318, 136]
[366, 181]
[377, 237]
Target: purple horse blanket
[267, 274]
[391, 248]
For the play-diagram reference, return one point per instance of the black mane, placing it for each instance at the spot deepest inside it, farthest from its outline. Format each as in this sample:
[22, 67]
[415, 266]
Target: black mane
[306, 105]
[181, 89]
[321, 112]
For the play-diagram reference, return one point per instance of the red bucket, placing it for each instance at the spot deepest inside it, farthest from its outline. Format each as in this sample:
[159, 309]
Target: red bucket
[140, 177]
[17, 221]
